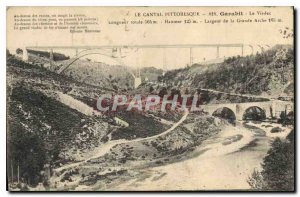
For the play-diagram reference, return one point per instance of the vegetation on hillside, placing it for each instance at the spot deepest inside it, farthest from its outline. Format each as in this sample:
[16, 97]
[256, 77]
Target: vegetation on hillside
[257, 74]
[137, 129]
[270, 72]
[37, 124]
[41, 129]
[150, 73]
[100, 74]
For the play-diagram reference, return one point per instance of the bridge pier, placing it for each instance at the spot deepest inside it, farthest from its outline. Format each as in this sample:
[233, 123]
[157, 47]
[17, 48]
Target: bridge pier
[191, 56]
[252, 51]
[268, 112]
[164, 61]
[137, 81]
[25, 54]
[242, 50]
[51, 58]
[239, 112]
[114, 52]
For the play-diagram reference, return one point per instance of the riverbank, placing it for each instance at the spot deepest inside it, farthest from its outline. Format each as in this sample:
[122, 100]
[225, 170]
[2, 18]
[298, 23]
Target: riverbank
[126, 160]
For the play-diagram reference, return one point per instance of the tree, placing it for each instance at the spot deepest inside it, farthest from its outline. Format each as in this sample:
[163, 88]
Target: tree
[163, 92]
[27, 151]
[175, 92]
[19, 51]
[151, 89]
[7, 53]
[278, 167]
[186, 92]
[256, 180]
[286, 119]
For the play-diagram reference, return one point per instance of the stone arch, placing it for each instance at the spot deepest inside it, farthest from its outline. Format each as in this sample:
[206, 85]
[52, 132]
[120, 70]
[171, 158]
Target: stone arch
[225, 113]
[254, 113]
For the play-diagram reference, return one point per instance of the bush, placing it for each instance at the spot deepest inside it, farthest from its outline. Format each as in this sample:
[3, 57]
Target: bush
[276, 130]
[278, 167]
[256, 180]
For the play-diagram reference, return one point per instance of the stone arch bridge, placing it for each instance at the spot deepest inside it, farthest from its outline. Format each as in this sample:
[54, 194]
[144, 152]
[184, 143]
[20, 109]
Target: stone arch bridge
[272, 109]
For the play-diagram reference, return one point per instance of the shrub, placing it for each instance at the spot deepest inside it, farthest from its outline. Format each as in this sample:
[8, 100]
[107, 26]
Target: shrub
[276, 130]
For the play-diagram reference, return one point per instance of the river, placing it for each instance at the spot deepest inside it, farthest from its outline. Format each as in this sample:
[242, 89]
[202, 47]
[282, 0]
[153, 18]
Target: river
[223, 166]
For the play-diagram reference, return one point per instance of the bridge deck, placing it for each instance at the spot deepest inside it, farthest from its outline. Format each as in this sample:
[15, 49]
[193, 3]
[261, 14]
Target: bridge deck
[136, 46]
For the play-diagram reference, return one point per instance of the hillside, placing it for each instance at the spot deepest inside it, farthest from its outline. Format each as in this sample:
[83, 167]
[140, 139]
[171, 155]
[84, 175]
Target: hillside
[41, 129]
[46, 128]
[268, 73]
[100, 74]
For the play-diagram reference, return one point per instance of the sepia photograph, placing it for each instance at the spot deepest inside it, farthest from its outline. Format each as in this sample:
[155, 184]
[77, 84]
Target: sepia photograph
[150, 99]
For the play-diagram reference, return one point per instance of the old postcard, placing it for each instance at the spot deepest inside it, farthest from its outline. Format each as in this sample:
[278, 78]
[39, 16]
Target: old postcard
[150, 98]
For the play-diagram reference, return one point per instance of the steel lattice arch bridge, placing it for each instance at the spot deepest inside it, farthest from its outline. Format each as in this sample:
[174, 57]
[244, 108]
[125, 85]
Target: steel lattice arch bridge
[115, 52]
